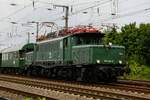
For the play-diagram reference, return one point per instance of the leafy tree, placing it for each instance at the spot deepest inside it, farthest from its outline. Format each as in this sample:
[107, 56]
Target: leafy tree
[135, 39]
[144, 30]
[111, 36]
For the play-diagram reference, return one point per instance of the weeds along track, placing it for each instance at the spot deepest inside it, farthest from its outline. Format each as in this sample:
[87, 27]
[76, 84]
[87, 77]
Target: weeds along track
[112, 91]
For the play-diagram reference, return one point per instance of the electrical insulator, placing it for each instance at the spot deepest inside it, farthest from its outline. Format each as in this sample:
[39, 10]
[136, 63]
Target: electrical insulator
[63, 9]
[98, 11]
[33, 3]
[71, 9]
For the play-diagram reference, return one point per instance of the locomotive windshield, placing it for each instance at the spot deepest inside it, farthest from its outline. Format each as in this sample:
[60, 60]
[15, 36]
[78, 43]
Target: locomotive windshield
[88, 38]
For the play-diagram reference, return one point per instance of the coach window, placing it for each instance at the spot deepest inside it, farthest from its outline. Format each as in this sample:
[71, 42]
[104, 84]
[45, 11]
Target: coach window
[15, 55]
[10, 56]
[3, 56]
[38, 47]
[6, 56]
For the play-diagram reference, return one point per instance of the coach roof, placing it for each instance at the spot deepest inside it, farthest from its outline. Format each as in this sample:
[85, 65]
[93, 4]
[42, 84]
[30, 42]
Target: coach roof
[21, 47]
[12, 49]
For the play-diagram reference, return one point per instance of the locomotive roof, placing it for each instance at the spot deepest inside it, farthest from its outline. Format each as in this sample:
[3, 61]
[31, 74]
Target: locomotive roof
[54, 39]
[60, 38]
[113, 46]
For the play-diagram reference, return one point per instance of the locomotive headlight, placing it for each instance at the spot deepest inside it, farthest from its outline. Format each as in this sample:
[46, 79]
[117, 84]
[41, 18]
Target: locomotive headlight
[120, 62]
[110, 44]
[98, 61]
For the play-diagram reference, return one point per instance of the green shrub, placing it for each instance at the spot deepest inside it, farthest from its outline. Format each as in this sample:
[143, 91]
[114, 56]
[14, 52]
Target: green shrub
[138, 72]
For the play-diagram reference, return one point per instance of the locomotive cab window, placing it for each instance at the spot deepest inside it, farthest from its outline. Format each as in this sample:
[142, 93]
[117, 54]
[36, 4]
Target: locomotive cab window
[88, 38]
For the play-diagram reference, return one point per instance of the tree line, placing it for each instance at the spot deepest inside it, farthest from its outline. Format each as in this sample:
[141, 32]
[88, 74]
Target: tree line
[136, 40]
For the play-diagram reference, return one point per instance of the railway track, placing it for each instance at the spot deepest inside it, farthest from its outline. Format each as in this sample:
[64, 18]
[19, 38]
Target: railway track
[113, 91]
[14, 94]
[134, 85]
[135, 82]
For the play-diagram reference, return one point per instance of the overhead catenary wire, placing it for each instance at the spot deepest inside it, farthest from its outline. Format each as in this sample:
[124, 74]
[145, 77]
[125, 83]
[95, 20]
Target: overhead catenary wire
[76, 12]
[19, 10]
[120, 15]
[18, 21]
[31, 4]
[98, 4]
[79, 11]
[83, 3]
[14, 13]
[52, 3]
[136, 6]
[126, 14]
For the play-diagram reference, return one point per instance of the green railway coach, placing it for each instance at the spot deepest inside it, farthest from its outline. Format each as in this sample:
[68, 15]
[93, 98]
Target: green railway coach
[14, 56]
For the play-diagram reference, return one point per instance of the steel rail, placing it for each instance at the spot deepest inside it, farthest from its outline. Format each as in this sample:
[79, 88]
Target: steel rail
[76, 89]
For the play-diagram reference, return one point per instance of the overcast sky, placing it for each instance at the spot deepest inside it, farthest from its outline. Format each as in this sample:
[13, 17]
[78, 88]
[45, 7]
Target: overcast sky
[97, 12]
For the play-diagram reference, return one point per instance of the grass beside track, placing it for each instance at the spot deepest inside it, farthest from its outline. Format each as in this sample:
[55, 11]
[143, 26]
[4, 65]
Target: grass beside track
[138, 72]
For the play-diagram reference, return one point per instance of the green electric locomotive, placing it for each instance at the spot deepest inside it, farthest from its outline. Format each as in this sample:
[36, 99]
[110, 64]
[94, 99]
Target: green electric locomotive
[80, 57]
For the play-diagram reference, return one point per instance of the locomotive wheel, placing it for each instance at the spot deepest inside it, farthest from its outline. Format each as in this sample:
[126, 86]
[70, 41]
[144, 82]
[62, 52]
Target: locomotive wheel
[98, 76]
[64, 73]
[111, 75]
[87, 75]
[94, 75]
[28, 72]
[48, 73]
